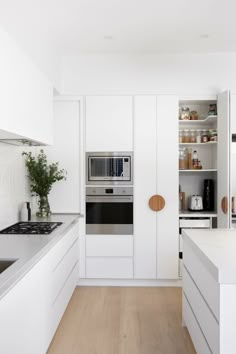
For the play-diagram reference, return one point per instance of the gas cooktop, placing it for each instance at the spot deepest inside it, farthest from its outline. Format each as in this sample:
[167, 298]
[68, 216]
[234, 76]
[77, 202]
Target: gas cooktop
[31, 228]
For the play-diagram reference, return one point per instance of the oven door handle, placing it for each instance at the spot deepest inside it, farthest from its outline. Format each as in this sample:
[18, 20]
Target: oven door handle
[108, 199]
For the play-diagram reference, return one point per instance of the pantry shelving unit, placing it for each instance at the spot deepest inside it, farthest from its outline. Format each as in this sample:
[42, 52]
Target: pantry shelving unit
[191, 181]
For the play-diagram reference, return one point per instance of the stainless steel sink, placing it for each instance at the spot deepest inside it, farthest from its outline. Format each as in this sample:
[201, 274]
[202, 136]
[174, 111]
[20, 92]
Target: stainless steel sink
[6, 263]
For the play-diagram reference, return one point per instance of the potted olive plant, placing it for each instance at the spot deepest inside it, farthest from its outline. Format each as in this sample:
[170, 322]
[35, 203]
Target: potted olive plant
[42, 176]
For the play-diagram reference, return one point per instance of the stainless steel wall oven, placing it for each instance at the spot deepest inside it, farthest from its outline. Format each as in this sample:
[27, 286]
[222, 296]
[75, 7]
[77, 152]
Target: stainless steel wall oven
[109, 210]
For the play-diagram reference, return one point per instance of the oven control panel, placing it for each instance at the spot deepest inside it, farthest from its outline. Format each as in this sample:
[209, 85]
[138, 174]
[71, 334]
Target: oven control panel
[90, 191]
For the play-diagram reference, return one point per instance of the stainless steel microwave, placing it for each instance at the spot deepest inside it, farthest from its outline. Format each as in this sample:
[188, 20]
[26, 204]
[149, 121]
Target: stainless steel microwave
[109, 168]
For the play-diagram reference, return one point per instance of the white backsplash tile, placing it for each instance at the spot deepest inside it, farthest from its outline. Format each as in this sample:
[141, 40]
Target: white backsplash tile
[14, 185]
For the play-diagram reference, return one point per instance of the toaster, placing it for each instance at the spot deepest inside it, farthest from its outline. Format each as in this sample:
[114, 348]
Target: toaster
[196, 203]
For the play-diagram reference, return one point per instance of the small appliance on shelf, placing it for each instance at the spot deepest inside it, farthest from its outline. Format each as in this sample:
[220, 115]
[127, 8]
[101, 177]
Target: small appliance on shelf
[196, 203]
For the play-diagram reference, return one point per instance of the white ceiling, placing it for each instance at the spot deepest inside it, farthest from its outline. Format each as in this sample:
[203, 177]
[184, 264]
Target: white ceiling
[70, 27]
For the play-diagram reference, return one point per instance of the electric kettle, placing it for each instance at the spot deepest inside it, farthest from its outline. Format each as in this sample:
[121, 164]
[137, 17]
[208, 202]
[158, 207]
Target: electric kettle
[196, 203]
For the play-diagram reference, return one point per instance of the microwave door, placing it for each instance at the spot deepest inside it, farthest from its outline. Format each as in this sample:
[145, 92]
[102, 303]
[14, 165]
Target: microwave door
[98, 168]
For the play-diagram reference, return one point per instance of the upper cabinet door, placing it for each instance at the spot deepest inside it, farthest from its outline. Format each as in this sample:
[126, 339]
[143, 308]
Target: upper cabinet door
[223, 199]
[26, 108]
[109, 123]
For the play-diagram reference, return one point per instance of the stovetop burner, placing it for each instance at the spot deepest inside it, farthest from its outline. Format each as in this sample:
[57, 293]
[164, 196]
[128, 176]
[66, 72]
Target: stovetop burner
[31, 228]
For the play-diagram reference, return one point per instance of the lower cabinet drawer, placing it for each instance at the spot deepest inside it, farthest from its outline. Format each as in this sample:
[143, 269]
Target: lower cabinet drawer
[60, 249]
[63, 269]
[204, 280]
[109, 246]
[63, 298]
[195, 223]
[203, 314]
[109, 268]
[195, 332]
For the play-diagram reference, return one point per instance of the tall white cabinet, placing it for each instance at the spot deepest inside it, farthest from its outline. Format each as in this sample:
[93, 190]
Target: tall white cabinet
[109, 123]
[155, 173]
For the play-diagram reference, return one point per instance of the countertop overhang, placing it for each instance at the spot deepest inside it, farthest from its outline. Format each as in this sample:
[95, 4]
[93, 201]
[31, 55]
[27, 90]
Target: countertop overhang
[217, 250]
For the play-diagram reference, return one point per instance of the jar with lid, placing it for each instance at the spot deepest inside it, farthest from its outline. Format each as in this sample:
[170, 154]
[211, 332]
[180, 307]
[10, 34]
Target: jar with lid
[190, 158]
[185, 113]
[193, 115]
[212, 135]
[198, 136]
[181, 133]
[212, 110]
[186, 136]
[204, 136]
[192, 136]
[182, 159]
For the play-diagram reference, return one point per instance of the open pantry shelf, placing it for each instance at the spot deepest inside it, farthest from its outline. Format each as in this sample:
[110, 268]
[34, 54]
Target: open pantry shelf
[199, 171]
[210, 120]
[199, 144]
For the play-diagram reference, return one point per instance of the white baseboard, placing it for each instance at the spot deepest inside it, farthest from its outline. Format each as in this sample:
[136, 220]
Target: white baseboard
[129, 282]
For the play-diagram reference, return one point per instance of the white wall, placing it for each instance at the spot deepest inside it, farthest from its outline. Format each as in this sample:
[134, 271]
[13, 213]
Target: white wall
[137, 73]
[13, 184]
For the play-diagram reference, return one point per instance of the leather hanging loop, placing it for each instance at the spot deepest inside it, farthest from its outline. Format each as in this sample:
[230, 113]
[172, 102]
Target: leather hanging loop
[224, 205]
[157, 202]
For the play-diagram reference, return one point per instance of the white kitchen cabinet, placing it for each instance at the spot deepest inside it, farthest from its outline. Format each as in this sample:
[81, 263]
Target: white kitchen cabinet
[109, 246]
[23, 314]
[26, 96]
[109, 123]
[109, 256]
[214, 155]
[155, 172]
[31, 311]
[109, 267]
[63, 268]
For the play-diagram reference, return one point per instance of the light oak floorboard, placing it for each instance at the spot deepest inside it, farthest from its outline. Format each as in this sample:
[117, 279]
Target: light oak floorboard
[123, 320]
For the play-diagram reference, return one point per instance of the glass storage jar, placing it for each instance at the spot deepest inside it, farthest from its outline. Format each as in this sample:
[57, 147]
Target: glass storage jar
[190, 158]
[204, 136]
[182, 159]
[181, 136]
[185, 113]
[192, 136]
[198, 136]
[212, 135]
[186, 136]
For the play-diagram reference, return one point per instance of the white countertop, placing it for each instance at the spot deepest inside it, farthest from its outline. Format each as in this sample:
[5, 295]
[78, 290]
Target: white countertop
[29, 249]
[217, 250]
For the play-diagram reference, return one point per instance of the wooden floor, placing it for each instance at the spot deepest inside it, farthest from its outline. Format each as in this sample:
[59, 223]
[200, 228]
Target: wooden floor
[123, 320]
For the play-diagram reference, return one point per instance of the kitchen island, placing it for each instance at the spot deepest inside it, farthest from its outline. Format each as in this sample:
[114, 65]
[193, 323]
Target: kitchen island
[36, 289]
[209, 289]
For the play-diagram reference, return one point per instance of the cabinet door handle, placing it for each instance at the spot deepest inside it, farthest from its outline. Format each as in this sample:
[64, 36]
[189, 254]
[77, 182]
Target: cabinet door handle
[157, 202]
[224, 205]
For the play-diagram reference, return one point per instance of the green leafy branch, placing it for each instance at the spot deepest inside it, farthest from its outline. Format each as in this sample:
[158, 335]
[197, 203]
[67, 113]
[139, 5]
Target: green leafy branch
[42, 176]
